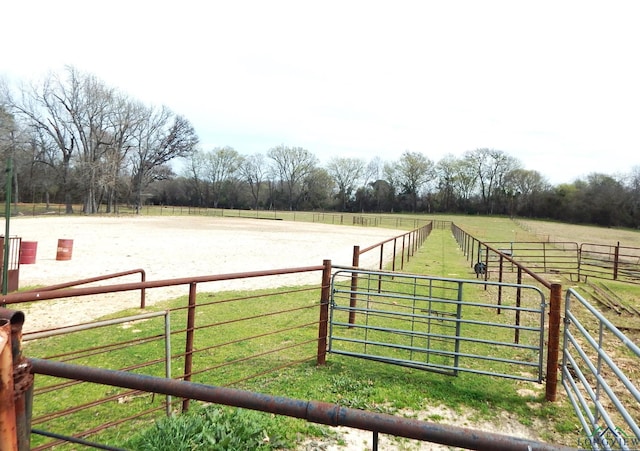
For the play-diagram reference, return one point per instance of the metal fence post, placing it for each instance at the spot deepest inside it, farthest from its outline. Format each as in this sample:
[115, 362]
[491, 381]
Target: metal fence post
[393, 262]
[8, 430]
[17, 379]
[553, 344]
[323, 323]
[191, 326]
[354, 284]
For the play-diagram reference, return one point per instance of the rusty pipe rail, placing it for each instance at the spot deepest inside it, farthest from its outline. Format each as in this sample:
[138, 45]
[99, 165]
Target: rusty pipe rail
[41, 295]
[60, 286]
[313, 411]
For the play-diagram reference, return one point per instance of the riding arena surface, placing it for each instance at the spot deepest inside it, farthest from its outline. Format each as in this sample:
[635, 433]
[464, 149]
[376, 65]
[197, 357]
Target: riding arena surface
[175, 247]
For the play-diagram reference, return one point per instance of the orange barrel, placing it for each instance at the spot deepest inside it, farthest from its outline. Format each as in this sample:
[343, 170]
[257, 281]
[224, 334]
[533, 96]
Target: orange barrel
[65, 248]
[28, 250]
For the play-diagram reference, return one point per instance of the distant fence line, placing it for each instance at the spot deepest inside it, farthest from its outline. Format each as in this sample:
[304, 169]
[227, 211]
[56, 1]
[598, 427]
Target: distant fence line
[580, 260]
[342, 218]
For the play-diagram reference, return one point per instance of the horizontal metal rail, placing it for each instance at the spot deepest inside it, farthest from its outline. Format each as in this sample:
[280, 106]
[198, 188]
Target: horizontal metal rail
[40, 295]
[75, 283]
[542, 256]
[613, 262]
[312, 411]
[94, 325]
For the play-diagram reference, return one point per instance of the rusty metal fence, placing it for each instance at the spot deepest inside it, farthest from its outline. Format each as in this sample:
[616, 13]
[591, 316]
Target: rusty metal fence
[558, 257]
[614, 262]
[402, 248]
[132, 387]
[581, 261]
[180, 343]
[212, 339]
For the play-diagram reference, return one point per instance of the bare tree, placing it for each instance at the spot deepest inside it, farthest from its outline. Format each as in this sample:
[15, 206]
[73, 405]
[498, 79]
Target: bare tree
[465, 180]
[522, 187]
[196, 175]
[8, 130]
[490, 166]
[127, 116]
[292, 166]
[253, 170]
[88, 103]
[160, 138]
[345, 172]
[40, 107]
[221, 165]
[446, 172]
[414, 170]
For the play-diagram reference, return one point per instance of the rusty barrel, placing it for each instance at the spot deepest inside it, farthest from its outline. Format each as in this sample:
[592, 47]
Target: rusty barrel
[65, 249]
[28, 251]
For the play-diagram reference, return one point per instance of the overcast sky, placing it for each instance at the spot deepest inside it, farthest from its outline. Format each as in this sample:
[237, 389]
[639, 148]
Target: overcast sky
[554, 83]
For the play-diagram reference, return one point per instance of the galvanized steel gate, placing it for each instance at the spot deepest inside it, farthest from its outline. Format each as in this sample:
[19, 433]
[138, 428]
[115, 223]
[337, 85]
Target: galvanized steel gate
[438, 324]
[596, 355]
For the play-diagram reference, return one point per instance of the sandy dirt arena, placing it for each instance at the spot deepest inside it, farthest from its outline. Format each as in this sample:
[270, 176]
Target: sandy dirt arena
[175, 247]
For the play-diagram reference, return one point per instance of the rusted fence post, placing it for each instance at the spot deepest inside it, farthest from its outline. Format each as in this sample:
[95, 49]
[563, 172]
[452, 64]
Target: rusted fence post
[323, 323]
[8, 430]
[393, 262]
[16, 384]
[143, 291]
[355, 262]
[553, 344]
[191, 327]
[616, 259]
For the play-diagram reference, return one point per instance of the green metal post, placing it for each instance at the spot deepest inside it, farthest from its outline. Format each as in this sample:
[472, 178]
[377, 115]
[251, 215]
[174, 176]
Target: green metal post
[7, 216]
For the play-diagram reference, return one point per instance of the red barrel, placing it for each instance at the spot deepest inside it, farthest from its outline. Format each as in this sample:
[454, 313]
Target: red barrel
[65, 249]
[28, 250]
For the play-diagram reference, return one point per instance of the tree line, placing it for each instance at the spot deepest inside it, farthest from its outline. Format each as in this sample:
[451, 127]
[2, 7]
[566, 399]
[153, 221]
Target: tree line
[74, 140]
